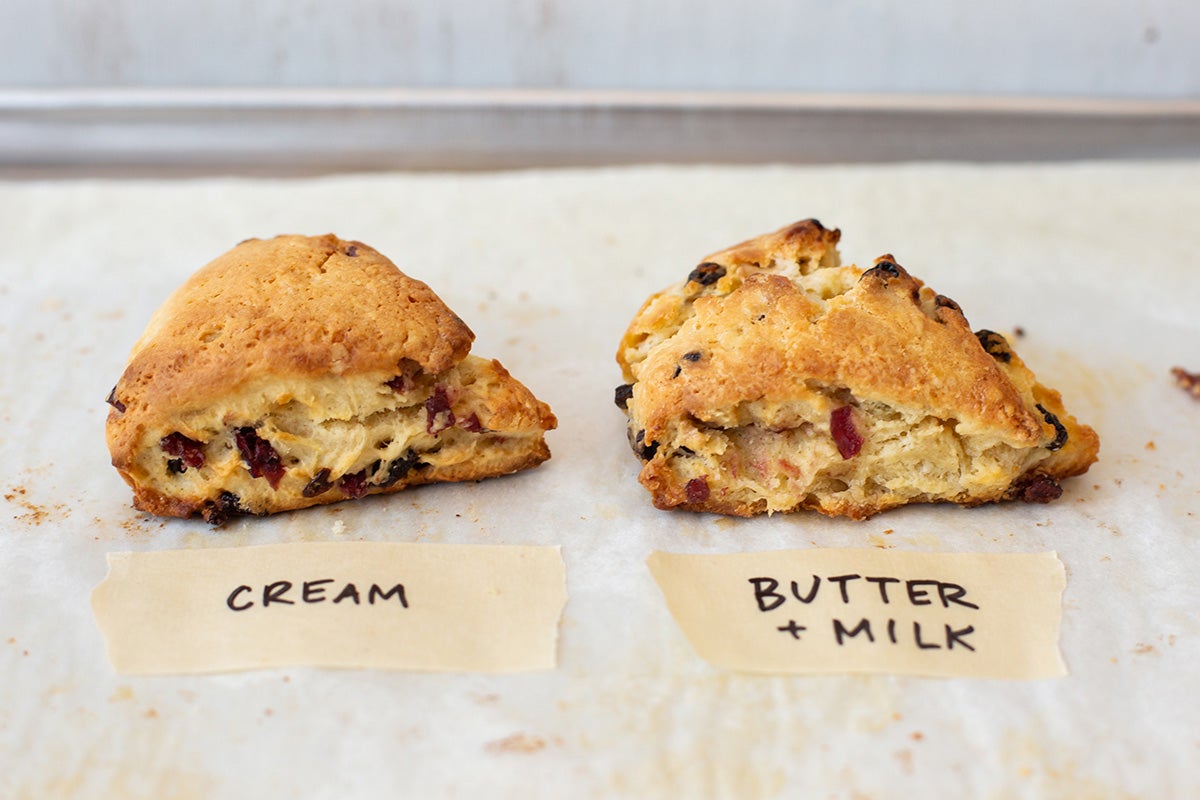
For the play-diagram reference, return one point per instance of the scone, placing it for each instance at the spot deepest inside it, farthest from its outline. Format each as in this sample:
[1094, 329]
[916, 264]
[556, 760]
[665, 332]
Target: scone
[298, 370]
[775, 379]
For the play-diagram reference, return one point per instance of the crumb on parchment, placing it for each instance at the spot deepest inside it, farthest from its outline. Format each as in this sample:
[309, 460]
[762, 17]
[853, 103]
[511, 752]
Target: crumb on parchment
[1188, 381]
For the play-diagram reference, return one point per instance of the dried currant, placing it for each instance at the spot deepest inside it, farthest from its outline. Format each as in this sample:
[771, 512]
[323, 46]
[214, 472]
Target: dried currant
[399, 468]
[697, 490]
[1041, 489]
[320, 484]
[622, 395]
[114, 402]
[644, 451]
[994, 345]
[884, 269]
[438, 415]
[175, 466]
[841, 424]
[227, 504]
[1060, 430]
[261, 458]
[352, 251]
[941, 301]
[707, 274]
[693, 356]
[180, 446]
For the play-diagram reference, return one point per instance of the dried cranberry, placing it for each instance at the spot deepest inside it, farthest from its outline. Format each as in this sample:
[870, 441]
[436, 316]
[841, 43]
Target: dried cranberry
[114, 402]
[399, 384]
[260, 457]
[1041, 489]
[354, 485]
[845, 434]
[471, 423]
[1060, 430]
[994, 345]
[707, 273]
[697, 490]
[438, 416]
[180, 446]
[352, 251]
[400, 468]
[622, 394]
[320, 484]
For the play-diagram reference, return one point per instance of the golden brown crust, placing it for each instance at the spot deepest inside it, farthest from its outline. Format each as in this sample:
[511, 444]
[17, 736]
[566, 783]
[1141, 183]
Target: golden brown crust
[291, 305]
[736, 380]
[340, 363]
[800, 248]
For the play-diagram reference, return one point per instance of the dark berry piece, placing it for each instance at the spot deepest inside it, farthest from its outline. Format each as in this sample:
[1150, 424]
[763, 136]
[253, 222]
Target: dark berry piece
[261, 458]
[352, 251]
[1060, 430]
[471, 424]
[175, 466]
[707, 274]
[941, 301]
[693, 356]
[400, 467]
[678, 370]
[320, 484]
[1041, 489]
[227, 504]
[994, 345]
[622, 395]
[645, 451]
[841, 424]
[884, 269]
[354, 485]
[180, 446]
[399, 384]
[697, 490]
[438, 416]
[114, 402]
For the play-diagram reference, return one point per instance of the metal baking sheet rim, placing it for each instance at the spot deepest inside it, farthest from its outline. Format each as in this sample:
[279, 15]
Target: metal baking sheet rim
[266, 130]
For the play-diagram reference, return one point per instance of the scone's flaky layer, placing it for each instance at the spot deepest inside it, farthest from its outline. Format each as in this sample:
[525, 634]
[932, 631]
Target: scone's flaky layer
[775, 379]
[297, 371]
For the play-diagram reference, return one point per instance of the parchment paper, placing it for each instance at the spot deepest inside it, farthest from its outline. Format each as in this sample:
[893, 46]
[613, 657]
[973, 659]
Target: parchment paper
[1096, 263]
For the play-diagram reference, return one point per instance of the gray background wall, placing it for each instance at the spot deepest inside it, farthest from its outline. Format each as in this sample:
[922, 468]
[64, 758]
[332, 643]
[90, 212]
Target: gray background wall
[1091, 48]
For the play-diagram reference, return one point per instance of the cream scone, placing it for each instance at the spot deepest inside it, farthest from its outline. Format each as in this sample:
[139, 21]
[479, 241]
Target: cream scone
[296, 371]
[776, 379]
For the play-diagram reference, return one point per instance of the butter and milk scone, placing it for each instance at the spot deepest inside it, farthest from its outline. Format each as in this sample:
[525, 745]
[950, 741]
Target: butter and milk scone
[295, 371]
[775, 379]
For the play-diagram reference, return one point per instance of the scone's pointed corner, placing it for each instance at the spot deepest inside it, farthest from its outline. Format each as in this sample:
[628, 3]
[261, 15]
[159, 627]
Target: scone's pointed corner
[298, 371]
[774, 378]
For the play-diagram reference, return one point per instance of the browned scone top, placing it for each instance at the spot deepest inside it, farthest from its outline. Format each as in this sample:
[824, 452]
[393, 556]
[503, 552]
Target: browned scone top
[307, 342]
[299, 305]
[749, 384]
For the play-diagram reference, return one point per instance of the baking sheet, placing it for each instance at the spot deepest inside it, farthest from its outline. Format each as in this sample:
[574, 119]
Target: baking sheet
[1095, 262]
